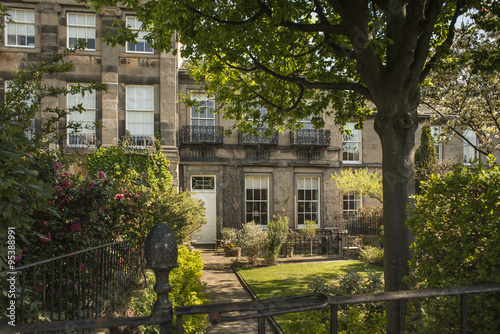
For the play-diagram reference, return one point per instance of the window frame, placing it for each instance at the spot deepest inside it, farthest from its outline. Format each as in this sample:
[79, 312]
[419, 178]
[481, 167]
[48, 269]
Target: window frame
[311, 200]
[140, 36]
[347, 140]
[80, 27]
[209, 110]
[438, 144]
[134, 108]
[267, 181]
[467, 148]
[352, 197]
[12, 20]
[83, 99]
[203, 189]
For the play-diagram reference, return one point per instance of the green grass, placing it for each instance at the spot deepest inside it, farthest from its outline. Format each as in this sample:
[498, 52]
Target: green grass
[292, 278]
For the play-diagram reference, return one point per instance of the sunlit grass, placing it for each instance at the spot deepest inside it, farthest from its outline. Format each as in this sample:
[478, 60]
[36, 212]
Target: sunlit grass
[292, 278]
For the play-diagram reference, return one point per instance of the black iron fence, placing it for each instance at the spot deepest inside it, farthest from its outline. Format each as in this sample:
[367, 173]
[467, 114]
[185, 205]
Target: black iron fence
[263, 309]
[356, 223]
[325, 242]
[161, 257]
[72, 286]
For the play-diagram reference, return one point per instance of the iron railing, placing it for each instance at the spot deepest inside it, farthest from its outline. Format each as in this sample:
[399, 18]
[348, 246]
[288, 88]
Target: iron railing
[356, 223]
[81, 140]
[203, 135]
[261, 309]
[326, 242]
[161, 256]
[140, 142]
[75, 285]
[259, 138]
[310, 137]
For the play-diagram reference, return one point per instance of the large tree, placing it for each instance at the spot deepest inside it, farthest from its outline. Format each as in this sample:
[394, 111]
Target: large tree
[319, 57]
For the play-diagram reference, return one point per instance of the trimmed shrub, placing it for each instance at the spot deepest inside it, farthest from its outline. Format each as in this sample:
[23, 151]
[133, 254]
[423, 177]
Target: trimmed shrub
[456, 223]
[277, 231]
[253, 241]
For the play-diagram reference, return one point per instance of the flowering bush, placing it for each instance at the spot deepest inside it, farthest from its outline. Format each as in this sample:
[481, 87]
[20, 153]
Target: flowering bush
[83, 216]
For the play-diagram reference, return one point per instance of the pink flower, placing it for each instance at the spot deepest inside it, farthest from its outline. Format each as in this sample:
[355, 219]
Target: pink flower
[58, 166]
[46, 238]
[76, 227]
[59, 235]
[90, 185]
[119, 196]
[46, 223]
[38, 287]
[101, 175]
[81, 265]
[106, 180]
[17, 258]
[26, 250]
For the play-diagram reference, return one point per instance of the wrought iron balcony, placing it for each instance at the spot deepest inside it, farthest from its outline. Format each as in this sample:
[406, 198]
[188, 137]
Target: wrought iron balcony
[81, 140]
[310, 137]
[258, 139]
[203, 135]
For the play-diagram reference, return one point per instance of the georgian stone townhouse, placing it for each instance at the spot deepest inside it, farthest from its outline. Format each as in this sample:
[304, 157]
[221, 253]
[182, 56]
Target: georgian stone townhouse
[240, 177]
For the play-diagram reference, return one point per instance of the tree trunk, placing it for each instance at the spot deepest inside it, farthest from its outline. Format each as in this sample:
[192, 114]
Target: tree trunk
[396, 125]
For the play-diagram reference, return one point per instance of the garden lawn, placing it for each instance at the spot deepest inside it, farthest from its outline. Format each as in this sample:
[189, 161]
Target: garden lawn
[288, 279]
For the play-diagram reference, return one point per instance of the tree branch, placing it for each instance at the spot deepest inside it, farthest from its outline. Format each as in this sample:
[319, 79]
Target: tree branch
[421, 54]
[458, 133]
[351, 86]
[262, 10]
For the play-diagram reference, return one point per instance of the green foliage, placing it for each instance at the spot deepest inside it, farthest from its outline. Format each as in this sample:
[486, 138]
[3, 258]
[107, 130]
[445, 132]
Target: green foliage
[277, 232]
[253, 241]
[456, 221]
[463, 93]
[361, 181]
[22, 190]
[187, 289]
[360, 318]
[372, 255]
[229, 235]
[122, 163]
[147, 176]
[425, 157]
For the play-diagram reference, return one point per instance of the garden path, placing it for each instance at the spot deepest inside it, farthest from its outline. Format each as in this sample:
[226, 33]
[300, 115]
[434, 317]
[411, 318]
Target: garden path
[223, 286]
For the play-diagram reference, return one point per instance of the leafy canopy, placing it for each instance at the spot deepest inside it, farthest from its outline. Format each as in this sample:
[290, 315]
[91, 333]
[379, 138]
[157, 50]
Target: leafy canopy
[361, 181]
[298, 58]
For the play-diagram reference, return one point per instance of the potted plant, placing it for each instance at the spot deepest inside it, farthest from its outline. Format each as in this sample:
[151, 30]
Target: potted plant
[236, 251]
[228, 248]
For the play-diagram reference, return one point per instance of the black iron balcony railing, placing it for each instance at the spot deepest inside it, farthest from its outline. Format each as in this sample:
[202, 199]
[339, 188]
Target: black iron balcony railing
[203, 135]
[310, 137]
[81, 140]
[259, 138]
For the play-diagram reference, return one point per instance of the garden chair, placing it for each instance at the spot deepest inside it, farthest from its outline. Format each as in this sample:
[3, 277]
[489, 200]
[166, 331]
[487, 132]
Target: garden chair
[353, 246]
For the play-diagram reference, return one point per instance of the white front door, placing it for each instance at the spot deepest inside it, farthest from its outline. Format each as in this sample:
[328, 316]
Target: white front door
[203, 187]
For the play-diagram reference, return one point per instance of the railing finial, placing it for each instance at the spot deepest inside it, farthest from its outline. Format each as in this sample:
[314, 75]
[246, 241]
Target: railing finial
[161, 256]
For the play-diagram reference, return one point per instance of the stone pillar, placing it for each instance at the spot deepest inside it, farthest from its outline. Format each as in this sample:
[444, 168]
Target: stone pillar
[161, 256]
[110, 78]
